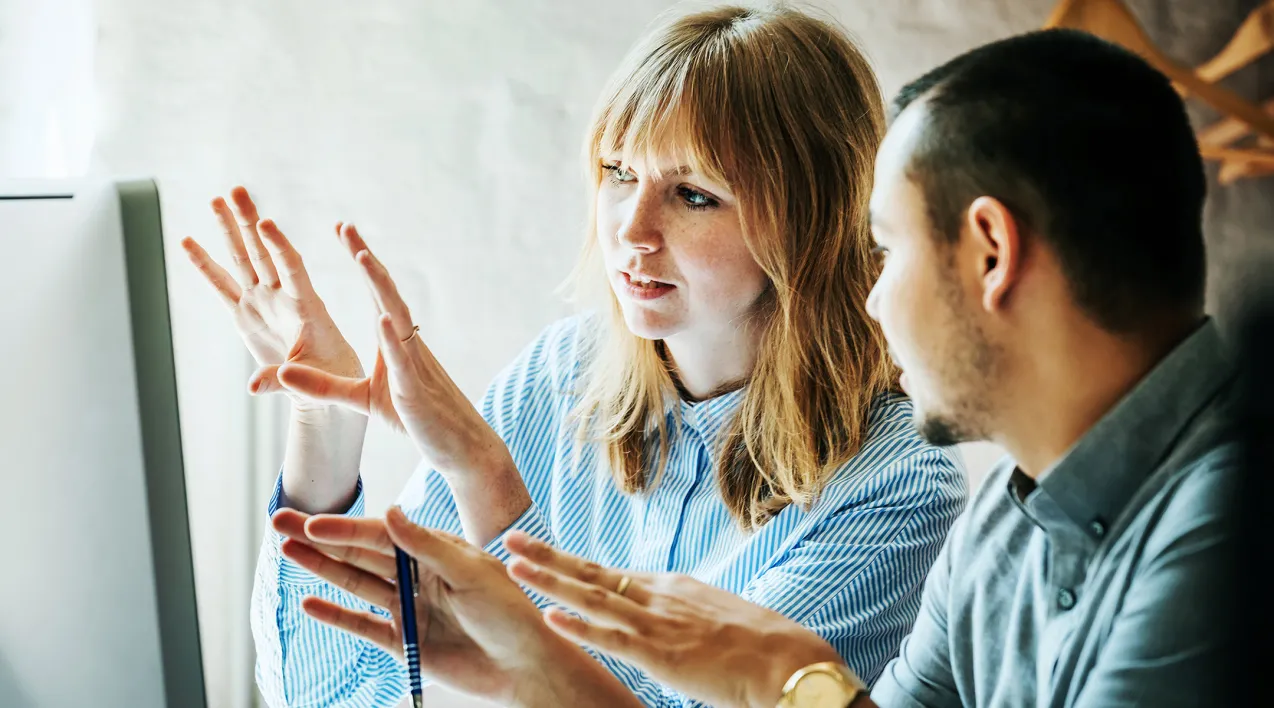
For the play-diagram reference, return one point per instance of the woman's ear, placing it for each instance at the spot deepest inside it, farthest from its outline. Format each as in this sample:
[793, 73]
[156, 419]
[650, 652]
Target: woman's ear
[997, 247]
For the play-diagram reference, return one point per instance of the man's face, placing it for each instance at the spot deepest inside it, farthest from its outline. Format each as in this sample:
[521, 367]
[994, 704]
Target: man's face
[926, 306]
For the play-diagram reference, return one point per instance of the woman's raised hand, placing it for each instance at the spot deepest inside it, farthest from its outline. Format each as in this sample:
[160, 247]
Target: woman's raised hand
[407, 388]
[275, 308]
[410, 391]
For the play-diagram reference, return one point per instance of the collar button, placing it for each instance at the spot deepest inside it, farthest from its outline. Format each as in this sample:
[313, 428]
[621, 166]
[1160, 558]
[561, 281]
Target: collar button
[1065, 598]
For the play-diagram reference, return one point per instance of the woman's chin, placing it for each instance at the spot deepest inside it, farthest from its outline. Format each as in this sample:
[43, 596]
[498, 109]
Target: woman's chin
[649, 325]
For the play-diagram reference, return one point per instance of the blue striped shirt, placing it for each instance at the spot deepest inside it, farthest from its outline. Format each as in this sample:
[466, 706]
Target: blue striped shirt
[850, 568]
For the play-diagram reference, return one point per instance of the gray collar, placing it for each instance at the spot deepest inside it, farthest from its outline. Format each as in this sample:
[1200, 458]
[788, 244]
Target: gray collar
[1094, 481]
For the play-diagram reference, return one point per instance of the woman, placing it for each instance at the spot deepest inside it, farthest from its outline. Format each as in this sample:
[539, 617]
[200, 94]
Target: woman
[727, 413]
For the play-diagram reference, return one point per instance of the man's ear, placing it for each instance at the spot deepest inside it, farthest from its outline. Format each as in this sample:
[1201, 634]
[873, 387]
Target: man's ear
[997, 246]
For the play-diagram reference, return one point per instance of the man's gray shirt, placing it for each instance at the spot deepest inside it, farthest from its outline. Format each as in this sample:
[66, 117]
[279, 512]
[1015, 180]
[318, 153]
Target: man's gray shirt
[1106, 583]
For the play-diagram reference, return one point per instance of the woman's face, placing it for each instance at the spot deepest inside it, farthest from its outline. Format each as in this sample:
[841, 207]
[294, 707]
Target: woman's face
[672, 243]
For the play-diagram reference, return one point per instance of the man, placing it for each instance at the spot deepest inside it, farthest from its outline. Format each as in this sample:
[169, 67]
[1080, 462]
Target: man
[1038, 202]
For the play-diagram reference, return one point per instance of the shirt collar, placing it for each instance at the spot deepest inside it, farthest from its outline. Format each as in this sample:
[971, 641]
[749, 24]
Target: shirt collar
[1095, 480]
[709, 418]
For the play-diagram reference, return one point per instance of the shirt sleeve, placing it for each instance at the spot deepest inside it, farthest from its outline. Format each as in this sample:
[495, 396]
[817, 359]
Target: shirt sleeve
[921, 675]
[1167, 644]
[301, 661]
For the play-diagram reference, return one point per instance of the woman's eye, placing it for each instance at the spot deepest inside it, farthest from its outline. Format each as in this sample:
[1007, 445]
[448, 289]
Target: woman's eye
[619, 175]
[694, 199]
[881, 253]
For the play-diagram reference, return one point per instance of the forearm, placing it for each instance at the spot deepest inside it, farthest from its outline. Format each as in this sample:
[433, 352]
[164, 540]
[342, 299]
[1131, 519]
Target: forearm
[490, 499]
[321, 461]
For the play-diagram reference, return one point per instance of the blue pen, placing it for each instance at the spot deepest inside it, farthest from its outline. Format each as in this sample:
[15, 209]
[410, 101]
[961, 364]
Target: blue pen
[408, 585]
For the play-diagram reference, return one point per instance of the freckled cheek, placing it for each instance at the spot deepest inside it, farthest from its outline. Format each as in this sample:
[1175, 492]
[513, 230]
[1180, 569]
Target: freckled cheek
[726, 275]
[607, 224]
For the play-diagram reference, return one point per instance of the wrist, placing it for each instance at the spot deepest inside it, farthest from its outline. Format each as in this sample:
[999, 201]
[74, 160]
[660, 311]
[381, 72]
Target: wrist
[530, 684]
[321, 462]
[565, 674]
[791, 654]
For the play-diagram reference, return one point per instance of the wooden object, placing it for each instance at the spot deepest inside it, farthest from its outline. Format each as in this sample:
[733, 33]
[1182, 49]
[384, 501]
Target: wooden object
[1113, 21]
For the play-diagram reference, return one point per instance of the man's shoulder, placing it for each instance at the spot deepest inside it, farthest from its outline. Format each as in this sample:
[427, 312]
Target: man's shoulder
[1197, 497]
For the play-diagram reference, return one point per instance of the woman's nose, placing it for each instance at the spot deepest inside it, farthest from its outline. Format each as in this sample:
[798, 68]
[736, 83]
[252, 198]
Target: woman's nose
[642, 230]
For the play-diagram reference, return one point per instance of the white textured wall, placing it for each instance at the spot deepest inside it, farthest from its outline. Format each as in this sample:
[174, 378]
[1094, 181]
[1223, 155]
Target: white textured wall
[449, 131]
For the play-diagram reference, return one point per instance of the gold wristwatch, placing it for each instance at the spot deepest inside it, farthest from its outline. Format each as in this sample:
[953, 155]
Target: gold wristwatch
[827, 684]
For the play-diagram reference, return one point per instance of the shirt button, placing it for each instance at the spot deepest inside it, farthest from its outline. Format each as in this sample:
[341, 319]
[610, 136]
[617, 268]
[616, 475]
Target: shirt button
[1065, 599]
[1098, 528]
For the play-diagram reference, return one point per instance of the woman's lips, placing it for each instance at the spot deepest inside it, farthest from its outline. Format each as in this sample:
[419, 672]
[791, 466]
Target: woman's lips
[649, 290]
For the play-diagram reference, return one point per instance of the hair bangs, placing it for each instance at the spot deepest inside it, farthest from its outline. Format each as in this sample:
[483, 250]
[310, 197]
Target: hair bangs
[667, 113]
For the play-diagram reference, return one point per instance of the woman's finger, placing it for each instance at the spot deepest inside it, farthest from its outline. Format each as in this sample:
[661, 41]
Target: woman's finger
[350, 531]
[394, 350]
[358, 582]
[349, 236]
[293, 277]
[585, 571]
[247, 218]
[239, 258]
[216, 276]
[320, 385]
[292, 523]
[367, 625]
[385, 292]
[354, 243]
[615, 641]
[452, 559]
[594, 601]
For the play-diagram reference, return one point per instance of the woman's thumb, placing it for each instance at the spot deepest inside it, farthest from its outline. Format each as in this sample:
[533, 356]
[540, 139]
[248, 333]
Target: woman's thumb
[319, 385]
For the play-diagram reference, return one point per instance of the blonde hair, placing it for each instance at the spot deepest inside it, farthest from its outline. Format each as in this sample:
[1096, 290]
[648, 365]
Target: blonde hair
[786, 111]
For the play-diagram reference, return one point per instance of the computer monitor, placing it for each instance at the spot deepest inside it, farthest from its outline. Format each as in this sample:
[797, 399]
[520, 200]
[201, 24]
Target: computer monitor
[97, 596]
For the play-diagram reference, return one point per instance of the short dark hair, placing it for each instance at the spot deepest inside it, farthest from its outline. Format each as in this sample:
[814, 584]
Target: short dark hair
[1089, 147]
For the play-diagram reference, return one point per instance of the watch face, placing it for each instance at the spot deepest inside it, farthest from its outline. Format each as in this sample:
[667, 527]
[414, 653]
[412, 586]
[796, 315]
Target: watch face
[820, 690]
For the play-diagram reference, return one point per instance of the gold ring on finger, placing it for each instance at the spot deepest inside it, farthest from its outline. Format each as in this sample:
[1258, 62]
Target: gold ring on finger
[624, 582]
[415, 332]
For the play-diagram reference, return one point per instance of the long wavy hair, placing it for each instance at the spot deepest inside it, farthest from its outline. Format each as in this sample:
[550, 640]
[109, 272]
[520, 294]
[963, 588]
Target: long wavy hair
[785, 110]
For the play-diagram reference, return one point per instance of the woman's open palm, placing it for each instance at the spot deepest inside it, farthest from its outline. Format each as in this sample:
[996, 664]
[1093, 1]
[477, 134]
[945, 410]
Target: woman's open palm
[275, 308]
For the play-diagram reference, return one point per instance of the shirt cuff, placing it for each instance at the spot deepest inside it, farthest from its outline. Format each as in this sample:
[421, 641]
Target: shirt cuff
[289, 572]
[889, 693]
[531, 522]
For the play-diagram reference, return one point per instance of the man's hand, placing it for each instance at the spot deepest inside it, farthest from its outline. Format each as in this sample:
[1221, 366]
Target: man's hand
[703, 641]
